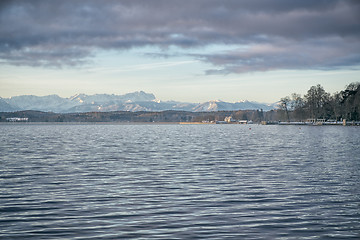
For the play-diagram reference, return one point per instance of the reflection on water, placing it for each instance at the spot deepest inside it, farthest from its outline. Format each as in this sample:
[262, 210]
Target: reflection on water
[179, 181]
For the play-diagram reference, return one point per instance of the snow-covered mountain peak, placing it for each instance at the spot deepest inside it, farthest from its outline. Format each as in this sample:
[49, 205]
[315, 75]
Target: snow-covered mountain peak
[78, 97]
[216, 101]
[242, 101]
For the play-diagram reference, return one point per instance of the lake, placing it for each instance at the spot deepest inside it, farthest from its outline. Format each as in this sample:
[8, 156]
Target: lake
[108, 181]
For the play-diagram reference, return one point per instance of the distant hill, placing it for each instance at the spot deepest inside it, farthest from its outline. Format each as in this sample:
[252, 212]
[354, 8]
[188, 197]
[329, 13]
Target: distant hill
[219, 105]
[133, 102]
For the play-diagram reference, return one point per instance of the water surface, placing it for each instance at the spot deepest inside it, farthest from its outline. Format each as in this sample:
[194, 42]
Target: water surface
[179, 182]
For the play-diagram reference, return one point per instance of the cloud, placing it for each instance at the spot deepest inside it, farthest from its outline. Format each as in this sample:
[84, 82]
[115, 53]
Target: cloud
[321, 54]
[140, 67]
[278, 33]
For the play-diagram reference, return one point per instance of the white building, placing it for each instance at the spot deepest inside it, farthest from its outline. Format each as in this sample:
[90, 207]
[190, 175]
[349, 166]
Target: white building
[17, 119]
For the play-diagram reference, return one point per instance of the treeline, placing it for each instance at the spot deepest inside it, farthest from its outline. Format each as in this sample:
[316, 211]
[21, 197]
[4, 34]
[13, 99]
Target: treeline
[319, 104]
[123, 116]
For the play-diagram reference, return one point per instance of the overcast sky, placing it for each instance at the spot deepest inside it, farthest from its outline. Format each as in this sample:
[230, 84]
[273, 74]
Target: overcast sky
[195, 51]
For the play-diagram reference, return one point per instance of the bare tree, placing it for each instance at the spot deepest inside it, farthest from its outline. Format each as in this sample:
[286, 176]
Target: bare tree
[316, 99]
[284, 105]
[351, 101]
[297, 106]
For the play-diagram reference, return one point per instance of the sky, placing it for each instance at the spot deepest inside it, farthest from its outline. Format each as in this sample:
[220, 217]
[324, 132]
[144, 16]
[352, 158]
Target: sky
[191, 51]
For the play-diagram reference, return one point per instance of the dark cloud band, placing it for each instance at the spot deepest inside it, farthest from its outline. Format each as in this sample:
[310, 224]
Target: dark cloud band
[280, 33]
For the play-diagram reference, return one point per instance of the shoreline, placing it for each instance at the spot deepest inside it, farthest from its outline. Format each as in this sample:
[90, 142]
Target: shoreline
[184, 123]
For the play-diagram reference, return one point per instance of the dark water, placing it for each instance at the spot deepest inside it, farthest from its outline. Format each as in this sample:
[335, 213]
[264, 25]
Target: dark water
[179, 182]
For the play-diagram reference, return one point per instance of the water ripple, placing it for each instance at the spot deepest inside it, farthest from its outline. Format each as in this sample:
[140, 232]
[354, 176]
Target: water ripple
[179, 182]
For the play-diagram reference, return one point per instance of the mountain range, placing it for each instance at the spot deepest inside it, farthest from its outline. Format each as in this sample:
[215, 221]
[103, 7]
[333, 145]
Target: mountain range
[136, 101]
